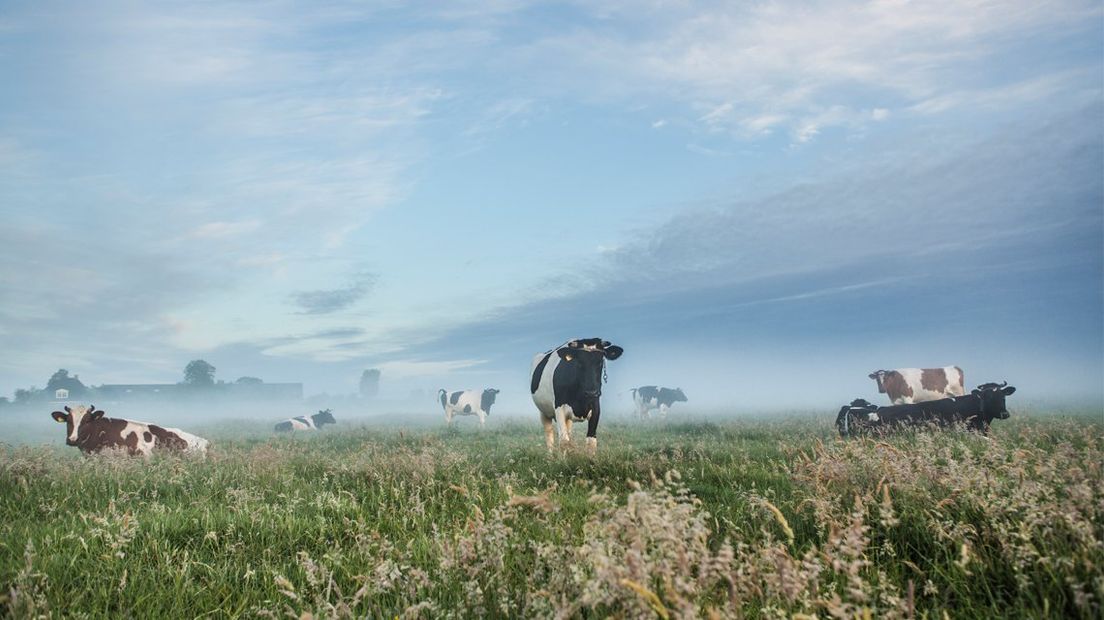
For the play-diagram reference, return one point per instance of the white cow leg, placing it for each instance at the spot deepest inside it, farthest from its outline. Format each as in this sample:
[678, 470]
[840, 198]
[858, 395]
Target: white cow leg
[562, 422]
[448, 418]
[568, 424]
[663, 411]
[592, 444]
[482, 419]
[549, 432]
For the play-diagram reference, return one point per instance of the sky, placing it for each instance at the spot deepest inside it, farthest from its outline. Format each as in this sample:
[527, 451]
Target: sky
[762, 202]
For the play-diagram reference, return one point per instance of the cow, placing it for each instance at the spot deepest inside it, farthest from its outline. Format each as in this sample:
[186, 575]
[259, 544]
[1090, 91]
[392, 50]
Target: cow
[89, 430]
[467, 402]
[916, 385]
[566, 384]
[648, 397]
[307, 423]
[976, 410]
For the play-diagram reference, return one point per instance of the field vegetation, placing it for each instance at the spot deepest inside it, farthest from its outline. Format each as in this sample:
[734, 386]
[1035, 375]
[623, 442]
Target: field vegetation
[723, 519]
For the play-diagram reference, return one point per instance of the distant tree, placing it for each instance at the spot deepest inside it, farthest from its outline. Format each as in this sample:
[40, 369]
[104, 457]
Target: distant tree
[199, 373]
[61, 380]
[24, 396]
[248, 381]
[369, 383]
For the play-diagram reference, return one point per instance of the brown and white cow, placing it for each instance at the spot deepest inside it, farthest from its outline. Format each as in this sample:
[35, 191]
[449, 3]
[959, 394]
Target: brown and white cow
[917, 385]
[89, 430]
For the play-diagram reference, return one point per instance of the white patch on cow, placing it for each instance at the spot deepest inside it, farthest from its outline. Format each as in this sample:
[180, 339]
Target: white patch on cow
[592, 444]
[954, 383]
[78, 414]
[545, 397]
[140, 430]
[304, 423]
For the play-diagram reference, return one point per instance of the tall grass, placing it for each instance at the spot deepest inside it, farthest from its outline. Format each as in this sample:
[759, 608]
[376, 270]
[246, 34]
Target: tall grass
[725, 519]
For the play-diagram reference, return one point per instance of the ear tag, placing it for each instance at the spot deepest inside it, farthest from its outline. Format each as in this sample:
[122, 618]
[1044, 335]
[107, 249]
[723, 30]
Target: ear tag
[567, 358]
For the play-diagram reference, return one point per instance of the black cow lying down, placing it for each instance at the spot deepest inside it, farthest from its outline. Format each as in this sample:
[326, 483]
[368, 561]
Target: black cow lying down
[976, 410]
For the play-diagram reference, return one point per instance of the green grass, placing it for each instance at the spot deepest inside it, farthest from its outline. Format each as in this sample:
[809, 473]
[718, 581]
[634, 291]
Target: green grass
[385, 522]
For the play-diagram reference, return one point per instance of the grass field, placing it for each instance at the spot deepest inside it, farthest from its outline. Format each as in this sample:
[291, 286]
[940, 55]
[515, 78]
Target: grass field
[740, 518]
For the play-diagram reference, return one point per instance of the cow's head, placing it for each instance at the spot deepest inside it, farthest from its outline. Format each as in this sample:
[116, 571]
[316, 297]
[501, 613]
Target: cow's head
[73, 418]
[676, 395]
[487, 399]
[582, 363]
[992, 397]
[324, 416]
[879, 377]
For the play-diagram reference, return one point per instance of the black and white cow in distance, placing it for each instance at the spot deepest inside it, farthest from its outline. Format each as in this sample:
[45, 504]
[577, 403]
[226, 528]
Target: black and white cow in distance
[467, 402]
[648, 397]
[89, 430]
[566, 384]
[307, 423]
[976, 410]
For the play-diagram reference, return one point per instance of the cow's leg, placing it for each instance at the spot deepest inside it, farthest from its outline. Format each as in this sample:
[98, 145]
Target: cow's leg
[592, 429]
[568, 425]
[663, 411]
[448, 417]
[549, 432]
[562, 422]
[482, 419]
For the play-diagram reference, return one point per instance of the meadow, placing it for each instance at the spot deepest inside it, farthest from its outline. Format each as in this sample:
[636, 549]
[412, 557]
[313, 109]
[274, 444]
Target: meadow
[728, 518]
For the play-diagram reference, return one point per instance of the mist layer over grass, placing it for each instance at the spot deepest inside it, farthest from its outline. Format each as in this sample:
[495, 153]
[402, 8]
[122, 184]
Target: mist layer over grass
[728, 518]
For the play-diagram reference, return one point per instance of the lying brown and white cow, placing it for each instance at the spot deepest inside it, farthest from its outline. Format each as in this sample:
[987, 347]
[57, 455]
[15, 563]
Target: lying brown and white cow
[89, 430]
[916, 385]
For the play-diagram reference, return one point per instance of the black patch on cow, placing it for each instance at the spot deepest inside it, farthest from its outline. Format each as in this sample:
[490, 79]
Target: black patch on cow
[467, 409]
[487, 399]
[283, 427]
[668, 397]
[323, 418]
[147, 436]
[302, 418]
[647, 392]
[98, 434]
[976, 410]
[167, 439]
[534, 383]
[455, 397]
[577, 382]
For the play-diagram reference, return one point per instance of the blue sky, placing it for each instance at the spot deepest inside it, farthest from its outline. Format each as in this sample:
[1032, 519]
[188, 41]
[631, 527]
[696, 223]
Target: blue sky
[748, 197]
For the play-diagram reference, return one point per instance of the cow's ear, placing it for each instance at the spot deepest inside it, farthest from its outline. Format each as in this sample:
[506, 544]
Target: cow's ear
[566, 354]
[96, 415]
[1009, 390]
[613, 352]
[59, 417]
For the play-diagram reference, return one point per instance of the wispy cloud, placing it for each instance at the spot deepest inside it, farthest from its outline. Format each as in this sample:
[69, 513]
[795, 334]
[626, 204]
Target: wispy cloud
[748, 68]
[334, 300]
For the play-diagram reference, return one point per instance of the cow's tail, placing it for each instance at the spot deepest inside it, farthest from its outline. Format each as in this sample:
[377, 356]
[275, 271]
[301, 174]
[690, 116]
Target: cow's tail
[442, 395]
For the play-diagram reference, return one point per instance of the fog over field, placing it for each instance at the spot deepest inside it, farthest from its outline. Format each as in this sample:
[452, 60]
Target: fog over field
[761, 203]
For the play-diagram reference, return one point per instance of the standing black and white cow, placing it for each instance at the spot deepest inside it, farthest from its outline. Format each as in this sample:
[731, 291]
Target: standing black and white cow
[566, 384]
[648, 397]
[467, 402]
[307, 423]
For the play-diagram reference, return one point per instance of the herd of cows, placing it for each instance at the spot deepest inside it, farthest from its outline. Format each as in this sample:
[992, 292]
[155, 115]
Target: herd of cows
[566, 386]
